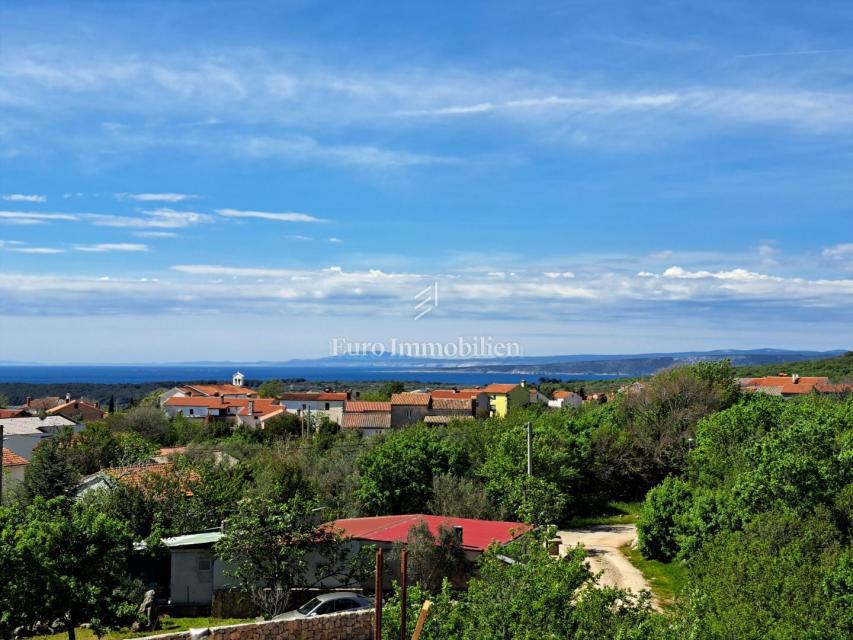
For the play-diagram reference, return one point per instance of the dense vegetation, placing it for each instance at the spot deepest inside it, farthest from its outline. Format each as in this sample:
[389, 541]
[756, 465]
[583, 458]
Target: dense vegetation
[838, 369]
[751, 494]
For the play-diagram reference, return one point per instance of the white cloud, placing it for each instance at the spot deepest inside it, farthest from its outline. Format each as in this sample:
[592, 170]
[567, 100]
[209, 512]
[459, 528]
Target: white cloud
[157, 197]
[838, 250]
[155, 234]
[20, 197]
[28, 217]
[266, 215]
[163, 218]
[335, 240]
[108, 247]
[39, 250]
[298, 238]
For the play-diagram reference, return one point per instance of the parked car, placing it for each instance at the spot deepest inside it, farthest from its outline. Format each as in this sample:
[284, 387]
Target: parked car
[328, 603]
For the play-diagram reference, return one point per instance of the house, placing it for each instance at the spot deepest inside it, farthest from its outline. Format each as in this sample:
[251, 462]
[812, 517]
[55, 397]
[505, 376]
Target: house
[140, 476]
[480, 397]
[369, 418]
[251, 412]
[445, 410]
[537, 397]
[783, 384]
[408, 408]
[505, 397]
[233, 390]
[23, 435]
[13, 469]
[78, 410]
[563, 398]
[168, 454]
[386, 531]
[326, 403]
[834, 389]
[13, 413]
[34, 406]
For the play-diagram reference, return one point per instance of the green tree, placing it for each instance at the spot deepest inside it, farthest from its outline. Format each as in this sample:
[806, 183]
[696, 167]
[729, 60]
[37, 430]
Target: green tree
[656, 527]
[460, 496]
[271, 389]
[397, 474]
[269, 544]
[435, 558]
[61, 561]
[51, 472]
[94, 448]
[146, 420]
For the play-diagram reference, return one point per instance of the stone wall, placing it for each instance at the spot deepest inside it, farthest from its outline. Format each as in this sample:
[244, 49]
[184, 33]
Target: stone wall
[355, 625]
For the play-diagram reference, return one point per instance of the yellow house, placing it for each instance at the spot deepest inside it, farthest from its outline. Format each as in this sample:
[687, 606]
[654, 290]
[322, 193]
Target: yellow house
[503, 397]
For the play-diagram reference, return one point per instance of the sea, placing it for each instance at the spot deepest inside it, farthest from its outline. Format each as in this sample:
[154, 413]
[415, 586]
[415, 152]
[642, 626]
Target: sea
[107, 374]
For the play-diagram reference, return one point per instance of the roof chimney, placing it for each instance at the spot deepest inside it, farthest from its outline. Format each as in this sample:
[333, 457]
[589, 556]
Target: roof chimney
[67, 397]
[524, 383]
[795, 378]
[29, 399]
[251, 409]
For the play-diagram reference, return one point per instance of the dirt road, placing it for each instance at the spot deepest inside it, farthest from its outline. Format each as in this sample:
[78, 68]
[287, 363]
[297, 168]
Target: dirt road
[602, 544]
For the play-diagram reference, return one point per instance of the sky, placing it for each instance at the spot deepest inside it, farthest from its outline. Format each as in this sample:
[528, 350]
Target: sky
[252, 180]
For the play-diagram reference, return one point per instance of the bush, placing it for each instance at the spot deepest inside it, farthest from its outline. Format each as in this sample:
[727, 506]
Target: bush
[657, 530]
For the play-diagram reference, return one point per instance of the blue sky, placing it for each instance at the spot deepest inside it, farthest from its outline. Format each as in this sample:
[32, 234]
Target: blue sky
[187, 180]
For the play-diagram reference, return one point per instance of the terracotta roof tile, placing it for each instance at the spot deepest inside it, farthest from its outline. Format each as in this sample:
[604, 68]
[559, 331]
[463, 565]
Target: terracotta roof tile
[499, 388]
[360, 406]
[453, 404]
[411, 399]
[450, 393]
[366, 421]
[12, 459]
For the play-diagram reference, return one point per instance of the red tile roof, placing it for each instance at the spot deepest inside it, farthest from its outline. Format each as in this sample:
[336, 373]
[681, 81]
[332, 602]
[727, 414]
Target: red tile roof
[12, 413]
[12, 459]
[450, 393]
[411, 399]
[373, 420]
[76, 404]
[136, 476]
[788, 385]
[477, 535]
[195, 401]
[220, 389]
[453, 404]
[360, 406]
[562, 393]
[311, 396]
[499, 388]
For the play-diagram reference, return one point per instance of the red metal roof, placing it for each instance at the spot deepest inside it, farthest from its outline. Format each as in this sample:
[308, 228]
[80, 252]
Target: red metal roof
[477, 535]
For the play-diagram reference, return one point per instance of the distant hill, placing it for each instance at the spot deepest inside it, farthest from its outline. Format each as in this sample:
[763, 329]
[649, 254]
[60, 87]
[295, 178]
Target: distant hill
[838, 369]
[647, 364]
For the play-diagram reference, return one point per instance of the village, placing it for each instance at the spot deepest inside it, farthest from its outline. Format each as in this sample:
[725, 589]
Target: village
[189, 578]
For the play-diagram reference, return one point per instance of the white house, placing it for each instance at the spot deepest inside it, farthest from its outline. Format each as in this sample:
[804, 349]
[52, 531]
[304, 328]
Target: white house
[317, 403]
[22, 435]
[564, 398]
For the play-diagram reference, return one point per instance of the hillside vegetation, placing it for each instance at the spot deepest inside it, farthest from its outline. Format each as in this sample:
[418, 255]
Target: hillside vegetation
[838, 369]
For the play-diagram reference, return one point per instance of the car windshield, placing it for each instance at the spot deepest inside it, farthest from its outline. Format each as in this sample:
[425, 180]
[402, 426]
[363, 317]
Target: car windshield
[308, 607]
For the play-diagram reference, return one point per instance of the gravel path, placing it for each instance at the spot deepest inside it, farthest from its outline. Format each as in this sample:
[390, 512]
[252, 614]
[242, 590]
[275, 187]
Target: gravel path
[602, 544]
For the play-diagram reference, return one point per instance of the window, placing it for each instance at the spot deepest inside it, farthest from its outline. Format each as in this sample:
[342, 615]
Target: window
[346, 604]
[204, 567]
[327, 406]
[326, 607]
[192, 411]
[409, 413]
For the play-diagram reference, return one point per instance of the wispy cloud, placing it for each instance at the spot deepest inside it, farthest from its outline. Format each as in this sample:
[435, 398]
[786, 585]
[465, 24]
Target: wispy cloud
[266, 215]
[335, 240]
[163, 218]
[157, 197]
[39, 250]
[155, 234]
[29, 217]
[109, 247]
[21, 197]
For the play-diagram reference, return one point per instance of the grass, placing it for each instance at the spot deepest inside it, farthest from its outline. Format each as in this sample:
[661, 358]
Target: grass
[615, 513]
[167, 625]
[666, 579]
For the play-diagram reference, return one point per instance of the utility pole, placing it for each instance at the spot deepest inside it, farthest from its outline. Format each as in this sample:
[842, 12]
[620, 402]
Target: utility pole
[377, 613]
[404, 592]
[529, 448]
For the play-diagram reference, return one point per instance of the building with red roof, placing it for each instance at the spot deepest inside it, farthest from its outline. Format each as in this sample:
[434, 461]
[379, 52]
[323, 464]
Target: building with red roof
[386, 531]
[783, 385]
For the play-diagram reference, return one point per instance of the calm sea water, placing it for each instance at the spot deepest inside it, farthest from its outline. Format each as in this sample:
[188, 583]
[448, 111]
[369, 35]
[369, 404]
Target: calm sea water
[105, 374]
